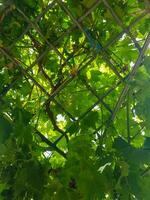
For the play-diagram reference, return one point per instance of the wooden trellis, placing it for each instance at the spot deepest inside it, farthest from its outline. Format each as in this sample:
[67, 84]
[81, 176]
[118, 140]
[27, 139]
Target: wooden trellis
[39, 46]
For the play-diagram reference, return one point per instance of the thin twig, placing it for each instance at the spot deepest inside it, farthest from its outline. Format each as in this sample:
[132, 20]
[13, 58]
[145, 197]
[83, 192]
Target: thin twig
[52, 118]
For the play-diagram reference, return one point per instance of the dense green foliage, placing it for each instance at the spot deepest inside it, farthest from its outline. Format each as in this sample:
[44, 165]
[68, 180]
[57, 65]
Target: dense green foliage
[74, 100]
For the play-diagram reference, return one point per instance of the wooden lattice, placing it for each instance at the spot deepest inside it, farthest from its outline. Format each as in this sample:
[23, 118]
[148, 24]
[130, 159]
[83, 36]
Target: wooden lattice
[63, 60]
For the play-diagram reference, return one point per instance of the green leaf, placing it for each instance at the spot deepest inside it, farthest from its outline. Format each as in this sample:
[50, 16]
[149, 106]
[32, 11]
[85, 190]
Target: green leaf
[120, 144]
[22, 115]
[5, 129]
[131, 154]
[90, 120]
[95, 75]
[146, 144]
[147, 63]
